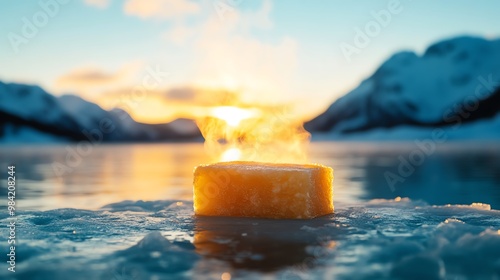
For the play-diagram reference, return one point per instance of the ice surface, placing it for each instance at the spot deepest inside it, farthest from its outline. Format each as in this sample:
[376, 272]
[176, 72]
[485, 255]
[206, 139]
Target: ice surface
[397, 238]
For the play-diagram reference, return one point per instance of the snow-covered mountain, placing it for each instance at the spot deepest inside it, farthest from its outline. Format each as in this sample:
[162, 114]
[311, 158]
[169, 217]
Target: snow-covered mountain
[28, 114]
[455, 83]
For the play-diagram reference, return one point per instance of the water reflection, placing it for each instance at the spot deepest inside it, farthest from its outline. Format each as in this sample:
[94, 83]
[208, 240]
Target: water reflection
[455, 173]
[452, 175]
[109, 173]
[260, 244]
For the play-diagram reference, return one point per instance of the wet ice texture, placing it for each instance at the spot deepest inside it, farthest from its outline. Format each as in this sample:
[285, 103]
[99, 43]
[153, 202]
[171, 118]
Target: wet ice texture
[393, 239]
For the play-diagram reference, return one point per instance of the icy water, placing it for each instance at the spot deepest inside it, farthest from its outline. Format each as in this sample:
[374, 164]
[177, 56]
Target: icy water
[125, 212]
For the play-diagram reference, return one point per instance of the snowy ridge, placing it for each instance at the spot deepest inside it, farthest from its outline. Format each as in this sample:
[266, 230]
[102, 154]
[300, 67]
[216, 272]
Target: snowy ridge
[422, 91]
[28, 114]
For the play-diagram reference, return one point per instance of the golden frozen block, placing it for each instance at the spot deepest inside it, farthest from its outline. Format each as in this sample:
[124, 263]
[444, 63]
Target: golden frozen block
[264, 190]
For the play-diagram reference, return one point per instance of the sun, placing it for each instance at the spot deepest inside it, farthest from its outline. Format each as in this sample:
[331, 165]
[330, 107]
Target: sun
[232, 115]
[231, 154]
[253, 132]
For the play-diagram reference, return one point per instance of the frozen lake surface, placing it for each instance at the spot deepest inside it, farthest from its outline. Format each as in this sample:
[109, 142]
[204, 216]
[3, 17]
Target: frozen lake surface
[125, 212]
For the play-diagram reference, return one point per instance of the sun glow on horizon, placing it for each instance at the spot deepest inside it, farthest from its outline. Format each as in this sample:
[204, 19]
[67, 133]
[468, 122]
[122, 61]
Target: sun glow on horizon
[231, 154]
[253, 132]
[232, 115]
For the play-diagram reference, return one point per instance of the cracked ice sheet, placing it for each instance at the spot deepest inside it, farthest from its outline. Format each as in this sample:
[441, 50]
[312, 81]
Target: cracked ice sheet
[163, 240]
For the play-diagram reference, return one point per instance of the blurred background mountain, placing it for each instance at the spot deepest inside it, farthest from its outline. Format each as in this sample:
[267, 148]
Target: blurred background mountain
[454, 85]
[28, 114]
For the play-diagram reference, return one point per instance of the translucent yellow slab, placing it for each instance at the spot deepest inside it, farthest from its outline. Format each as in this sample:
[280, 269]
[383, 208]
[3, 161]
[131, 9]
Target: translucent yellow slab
[264, 190]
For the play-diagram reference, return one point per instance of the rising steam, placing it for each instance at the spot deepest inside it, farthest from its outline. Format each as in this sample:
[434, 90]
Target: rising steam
[254, 133]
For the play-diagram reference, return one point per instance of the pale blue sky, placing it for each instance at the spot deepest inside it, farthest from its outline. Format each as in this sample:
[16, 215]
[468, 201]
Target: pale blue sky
[282, 50]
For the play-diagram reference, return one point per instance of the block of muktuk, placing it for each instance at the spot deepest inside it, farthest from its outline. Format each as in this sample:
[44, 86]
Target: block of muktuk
[263, 190]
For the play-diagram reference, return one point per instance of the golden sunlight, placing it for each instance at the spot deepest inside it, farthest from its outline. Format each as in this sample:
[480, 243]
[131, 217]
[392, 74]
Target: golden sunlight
[231, 154]
[232, 115]
[252, 132]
